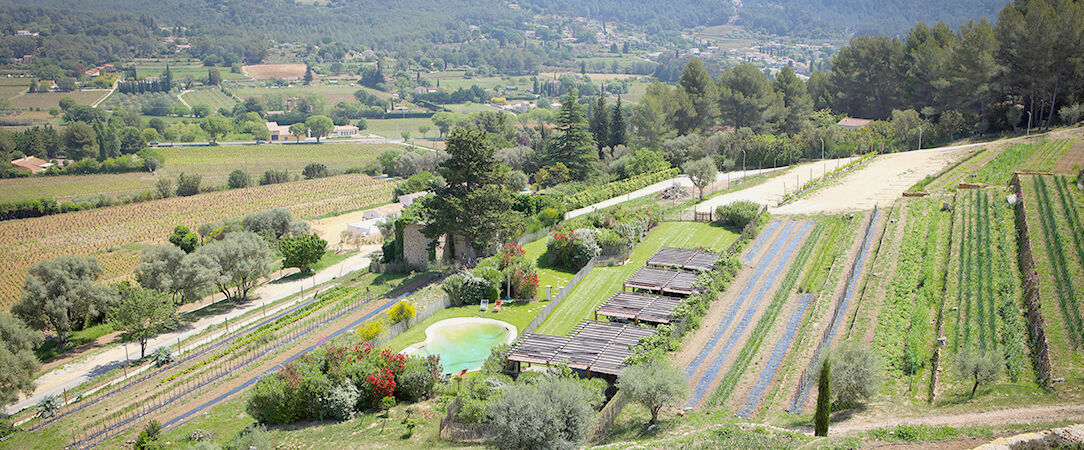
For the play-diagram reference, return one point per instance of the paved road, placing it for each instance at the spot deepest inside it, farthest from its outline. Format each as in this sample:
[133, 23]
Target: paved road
[56, 381]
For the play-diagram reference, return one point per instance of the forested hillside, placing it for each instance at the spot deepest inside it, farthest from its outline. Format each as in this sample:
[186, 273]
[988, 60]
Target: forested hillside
[815, 18]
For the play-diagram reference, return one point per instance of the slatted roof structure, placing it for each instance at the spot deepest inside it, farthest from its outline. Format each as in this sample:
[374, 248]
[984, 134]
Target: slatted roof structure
[663, 281]
[640, 307]
[683, 258]
[595, 347]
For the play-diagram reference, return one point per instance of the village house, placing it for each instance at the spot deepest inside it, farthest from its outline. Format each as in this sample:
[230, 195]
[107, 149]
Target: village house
[279, 132]
[32, 164]
[850, 123]
[344, 131]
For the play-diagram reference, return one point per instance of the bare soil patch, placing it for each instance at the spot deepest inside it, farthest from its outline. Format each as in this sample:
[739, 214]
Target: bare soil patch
[1072, 159]
[268, 71]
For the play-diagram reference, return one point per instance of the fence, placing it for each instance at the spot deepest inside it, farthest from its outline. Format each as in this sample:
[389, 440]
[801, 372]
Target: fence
[453, 431]
[1036, 328]
[608, 415]
[531, 237]
[555, 302]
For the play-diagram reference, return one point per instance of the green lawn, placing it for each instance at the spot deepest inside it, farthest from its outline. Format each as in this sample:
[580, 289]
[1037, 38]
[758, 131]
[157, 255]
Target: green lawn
[333, 93]
[603, 281]
[518, 314]
[393, 128]
[181, 70]
[51, 348]
[213, 163]
[548, 276]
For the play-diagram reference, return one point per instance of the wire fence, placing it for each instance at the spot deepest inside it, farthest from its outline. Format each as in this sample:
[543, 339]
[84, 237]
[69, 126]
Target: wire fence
[119, 421]
[396, 329]
[805, 383]
[555, 302]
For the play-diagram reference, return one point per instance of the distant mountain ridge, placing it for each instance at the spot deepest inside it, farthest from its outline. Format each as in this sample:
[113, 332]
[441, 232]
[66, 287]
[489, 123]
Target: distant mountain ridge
[813, 18]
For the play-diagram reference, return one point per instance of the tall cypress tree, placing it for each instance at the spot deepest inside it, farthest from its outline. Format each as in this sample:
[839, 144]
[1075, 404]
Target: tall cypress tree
[600, 124]
[824, 400]
[617, 126]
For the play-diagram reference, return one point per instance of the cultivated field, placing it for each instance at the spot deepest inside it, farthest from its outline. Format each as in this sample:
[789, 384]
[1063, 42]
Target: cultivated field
[115, 235]
[333, 93]
[180, 70]
[46, 100]
[214, 164]
[10, 87]
[210, 96]
[268, 71]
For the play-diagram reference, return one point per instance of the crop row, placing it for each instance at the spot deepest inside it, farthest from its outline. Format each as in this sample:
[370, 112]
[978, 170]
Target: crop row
[904, 317]
[1063, 282]
[756, 337]
[830, 249]
[950, 174]
[998, 171]
[613, 189]
[1072, 216]
[1048, 154]
[109, 233]
[985, 284]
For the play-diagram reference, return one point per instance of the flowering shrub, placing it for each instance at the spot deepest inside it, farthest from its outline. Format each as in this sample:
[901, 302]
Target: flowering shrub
[508, 272]
[336, 382]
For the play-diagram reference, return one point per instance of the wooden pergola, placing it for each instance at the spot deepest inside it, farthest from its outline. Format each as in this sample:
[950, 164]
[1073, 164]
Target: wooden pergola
[663, 281]
[640, 307]
[684, 259]
[597, 348]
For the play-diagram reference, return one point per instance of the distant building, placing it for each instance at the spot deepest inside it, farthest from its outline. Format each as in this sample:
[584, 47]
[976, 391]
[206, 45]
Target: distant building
[408, 199]
[850, 123]
[278, 132]
[25, 33]
[344, 131]
[425, 90]
[92, 72]
[31, 164]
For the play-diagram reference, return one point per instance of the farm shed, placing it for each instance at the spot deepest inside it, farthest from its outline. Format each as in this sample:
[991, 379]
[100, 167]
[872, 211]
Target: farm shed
[593, 348]
[663, 281]
[640, 307]
[683, 258]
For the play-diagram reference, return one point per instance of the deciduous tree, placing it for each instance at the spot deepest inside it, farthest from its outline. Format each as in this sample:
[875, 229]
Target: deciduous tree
[141, 314]
[319, 126]
[702, 173]
[302, 251]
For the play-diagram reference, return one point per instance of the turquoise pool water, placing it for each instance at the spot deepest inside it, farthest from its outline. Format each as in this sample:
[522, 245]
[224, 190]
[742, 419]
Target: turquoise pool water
[464, 343]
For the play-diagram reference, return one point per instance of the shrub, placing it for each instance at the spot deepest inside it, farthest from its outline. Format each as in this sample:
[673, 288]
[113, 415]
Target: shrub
[549, 217]
[855, 372]
[980, 367]
[188, 184]
[238, 179]
[315, 170]
[49, 406]
[163, 356]
[371, 330]
[148, 437]
[339, 402]
[553, 413]
[274, 177]
[253, 437]
[402, 312]
[419, 378]
[572, 249]
[737, 214]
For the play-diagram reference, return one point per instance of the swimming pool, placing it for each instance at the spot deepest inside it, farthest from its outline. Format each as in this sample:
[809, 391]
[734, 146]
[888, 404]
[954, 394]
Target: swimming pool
[463, 342]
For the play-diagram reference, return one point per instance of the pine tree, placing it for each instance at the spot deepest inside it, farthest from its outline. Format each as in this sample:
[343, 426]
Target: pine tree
[617, 126]
[308, 74]
[824, 400]
[699, 101]
[600, 124]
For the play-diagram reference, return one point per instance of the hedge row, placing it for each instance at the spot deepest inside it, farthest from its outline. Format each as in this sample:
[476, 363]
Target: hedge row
[618, 188]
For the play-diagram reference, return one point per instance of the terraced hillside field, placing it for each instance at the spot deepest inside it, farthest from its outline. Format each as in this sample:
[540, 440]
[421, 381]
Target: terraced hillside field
[115, 235]
[1053, 207]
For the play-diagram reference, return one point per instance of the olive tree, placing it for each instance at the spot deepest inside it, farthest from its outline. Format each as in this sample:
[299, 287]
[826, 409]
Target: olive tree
[980, 367]
[241, 259]
[62, 295]
[654, 383]
[701, 172]
[18, 364]
[141, 314]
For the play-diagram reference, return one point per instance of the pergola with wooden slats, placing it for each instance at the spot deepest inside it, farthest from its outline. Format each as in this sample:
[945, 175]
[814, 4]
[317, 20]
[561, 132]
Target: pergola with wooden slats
[683, 258]
[593, 347]
[640, 307]
[663, 281]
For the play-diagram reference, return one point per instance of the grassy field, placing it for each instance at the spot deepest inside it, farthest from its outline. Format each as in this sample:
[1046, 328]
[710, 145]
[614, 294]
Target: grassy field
[210, 96]
[116, 235]
[602, 282]
[213, 163]
[10, 87]
[393, 128]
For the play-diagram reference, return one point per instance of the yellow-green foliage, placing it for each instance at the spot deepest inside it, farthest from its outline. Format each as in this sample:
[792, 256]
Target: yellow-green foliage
[402, 312]
[371, 330]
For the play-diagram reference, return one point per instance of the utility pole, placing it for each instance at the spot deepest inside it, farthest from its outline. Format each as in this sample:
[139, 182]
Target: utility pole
[920, 138]
[743, 161]
[1029, 124]
[822, 149]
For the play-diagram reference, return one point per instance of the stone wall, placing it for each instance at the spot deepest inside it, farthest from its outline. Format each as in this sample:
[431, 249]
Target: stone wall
[416, 248]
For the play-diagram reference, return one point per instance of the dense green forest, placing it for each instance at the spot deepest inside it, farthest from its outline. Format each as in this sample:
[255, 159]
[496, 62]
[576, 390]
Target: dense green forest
[820, 18]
